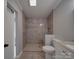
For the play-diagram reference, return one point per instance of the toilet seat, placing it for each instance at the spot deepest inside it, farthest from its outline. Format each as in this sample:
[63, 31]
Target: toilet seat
[48, 49]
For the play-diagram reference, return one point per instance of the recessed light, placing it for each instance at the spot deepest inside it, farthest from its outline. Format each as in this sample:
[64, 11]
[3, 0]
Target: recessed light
[32, 2]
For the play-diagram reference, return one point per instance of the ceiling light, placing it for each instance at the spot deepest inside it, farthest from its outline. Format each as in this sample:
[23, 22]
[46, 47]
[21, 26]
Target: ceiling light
[32, 2]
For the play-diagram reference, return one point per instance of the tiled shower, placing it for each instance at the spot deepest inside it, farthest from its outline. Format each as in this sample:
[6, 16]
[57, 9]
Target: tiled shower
[34, 31]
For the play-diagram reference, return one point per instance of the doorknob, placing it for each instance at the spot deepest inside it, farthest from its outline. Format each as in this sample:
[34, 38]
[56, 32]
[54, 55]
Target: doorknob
[6, 45]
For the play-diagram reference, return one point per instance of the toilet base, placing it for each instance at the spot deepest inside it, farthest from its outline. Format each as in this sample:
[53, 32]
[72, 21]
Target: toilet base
[48, 56]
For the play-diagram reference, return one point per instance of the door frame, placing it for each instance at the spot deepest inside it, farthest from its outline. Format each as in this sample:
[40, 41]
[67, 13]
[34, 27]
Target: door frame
[15, 18]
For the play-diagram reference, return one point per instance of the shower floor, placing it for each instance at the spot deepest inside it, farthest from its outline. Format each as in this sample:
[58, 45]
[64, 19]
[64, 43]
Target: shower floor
[33, 51]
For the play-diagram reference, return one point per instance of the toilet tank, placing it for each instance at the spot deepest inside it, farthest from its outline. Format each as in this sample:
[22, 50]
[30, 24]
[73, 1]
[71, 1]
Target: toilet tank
[48, 39]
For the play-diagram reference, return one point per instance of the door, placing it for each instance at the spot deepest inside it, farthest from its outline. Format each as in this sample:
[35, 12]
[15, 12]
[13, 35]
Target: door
[9, 33]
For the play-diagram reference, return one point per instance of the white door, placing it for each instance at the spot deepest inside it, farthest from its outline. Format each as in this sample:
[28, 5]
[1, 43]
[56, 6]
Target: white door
[9, 33]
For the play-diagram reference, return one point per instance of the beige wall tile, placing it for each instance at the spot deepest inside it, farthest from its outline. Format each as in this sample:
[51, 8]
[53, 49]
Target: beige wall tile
[34, 31]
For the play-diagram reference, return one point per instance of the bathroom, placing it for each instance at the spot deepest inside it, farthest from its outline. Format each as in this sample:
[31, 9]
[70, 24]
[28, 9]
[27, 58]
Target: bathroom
[59, 23]
[45, 31]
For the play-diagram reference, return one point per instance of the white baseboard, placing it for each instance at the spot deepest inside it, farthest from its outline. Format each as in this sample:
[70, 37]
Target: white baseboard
[19, 55]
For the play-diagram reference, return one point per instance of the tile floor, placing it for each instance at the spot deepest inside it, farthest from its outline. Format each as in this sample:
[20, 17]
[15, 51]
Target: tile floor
[33, 51]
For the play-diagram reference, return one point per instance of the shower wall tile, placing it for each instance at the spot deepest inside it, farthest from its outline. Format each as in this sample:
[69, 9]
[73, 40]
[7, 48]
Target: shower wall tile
[24, 30]
[35, 30]
[50, 23]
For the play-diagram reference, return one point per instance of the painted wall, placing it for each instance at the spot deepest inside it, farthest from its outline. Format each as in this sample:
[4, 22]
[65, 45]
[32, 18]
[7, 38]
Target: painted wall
[19, 30]
[63, 20]
[35, 30]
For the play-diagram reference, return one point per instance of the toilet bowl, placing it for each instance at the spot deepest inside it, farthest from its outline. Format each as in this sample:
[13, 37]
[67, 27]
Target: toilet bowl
[48, 49]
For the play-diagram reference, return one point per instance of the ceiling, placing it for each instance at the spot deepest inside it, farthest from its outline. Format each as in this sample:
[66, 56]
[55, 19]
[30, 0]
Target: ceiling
[42, 10]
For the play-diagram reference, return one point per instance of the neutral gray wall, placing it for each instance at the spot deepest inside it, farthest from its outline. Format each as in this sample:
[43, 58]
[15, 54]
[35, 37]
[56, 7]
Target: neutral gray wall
[63, 20]
[19, 30]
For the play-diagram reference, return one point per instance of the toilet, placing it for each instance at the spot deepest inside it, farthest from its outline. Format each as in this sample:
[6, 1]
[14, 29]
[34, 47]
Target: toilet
[48, 49]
